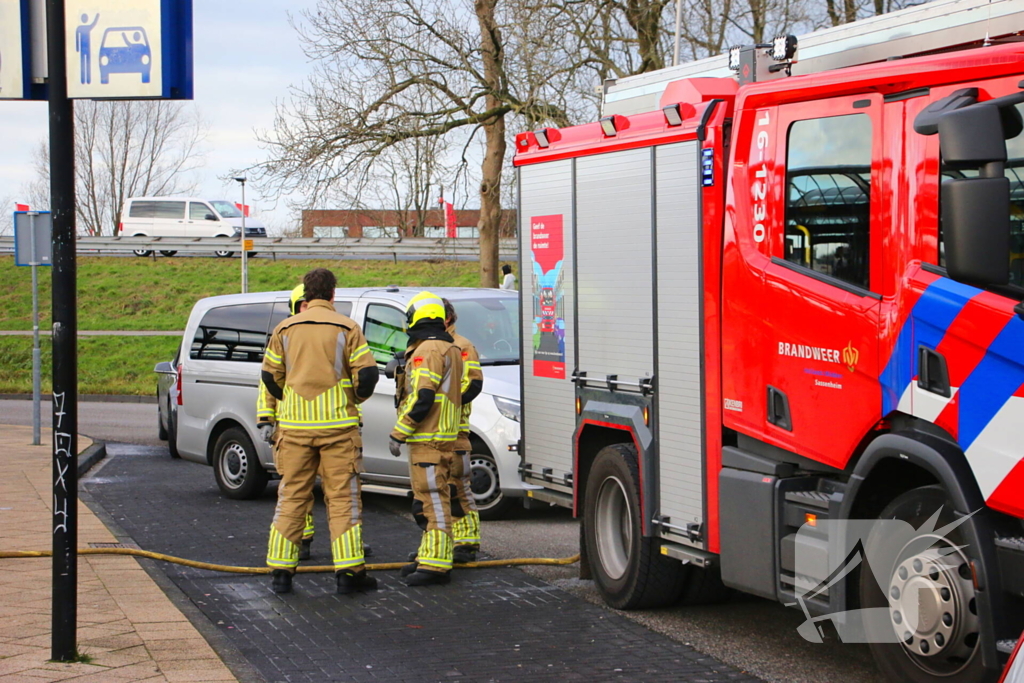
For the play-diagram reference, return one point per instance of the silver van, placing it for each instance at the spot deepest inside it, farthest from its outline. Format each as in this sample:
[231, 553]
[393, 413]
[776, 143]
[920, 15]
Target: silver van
[207, 395]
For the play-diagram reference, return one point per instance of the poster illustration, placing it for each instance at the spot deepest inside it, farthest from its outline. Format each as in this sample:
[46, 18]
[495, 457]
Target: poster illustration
[548, 247]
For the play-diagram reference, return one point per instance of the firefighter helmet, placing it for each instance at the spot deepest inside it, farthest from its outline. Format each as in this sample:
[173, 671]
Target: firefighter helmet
[298, 296]
[423, 306]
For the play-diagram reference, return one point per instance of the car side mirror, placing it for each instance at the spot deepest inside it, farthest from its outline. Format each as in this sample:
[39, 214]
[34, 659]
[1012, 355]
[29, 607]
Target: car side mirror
[164, 368]
[210, 217]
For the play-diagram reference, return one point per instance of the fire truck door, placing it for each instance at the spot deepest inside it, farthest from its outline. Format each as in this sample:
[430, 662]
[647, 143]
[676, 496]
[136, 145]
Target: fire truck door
[821, 364]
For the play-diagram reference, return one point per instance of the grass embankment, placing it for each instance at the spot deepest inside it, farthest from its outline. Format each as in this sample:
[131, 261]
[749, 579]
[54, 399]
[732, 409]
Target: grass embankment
[143, 294]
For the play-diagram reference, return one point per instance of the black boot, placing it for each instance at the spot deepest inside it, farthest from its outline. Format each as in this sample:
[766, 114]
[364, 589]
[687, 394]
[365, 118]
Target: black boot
[422, 577]
[282, 581]
[367, 551]
[413, 555]
[350, 582]
[304, 549]
[409, 568]
[464, 554]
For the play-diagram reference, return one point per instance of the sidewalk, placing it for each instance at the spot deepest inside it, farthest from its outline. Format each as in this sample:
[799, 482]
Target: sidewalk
[126, 624]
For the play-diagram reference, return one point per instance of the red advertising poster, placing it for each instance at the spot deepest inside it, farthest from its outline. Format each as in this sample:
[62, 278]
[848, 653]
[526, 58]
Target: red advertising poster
[547, 244]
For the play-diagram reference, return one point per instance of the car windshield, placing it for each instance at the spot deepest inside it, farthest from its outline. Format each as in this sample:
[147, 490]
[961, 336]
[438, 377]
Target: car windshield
[124, 38]
[226, 209]
[492, 324]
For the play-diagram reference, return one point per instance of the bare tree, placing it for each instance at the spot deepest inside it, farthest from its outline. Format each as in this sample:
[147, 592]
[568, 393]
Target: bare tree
[388, 72]
[126, 149]
[6, 216]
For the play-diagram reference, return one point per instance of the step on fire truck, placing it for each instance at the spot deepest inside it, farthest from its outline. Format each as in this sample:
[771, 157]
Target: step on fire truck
[773, 293]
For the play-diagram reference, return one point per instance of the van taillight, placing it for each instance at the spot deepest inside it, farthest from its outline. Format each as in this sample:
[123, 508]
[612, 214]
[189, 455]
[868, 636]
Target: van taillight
[178, 382]
[120, 228]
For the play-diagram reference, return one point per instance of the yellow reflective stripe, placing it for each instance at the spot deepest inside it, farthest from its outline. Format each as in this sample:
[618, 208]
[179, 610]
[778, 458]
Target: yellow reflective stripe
[347, 549]
[404, 428]
[313, 424]
[280, 551]
[359, 353]
[272, 357]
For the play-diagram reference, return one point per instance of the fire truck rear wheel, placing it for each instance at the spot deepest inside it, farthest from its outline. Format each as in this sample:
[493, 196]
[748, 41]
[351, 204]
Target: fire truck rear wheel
[928, 594]
[628, 568]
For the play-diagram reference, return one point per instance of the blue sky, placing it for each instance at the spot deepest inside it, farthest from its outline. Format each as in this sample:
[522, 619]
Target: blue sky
[246, 56]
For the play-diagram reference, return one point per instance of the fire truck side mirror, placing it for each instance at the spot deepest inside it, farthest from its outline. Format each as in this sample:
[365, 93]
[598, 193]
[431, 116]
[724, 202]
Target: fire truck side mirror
[975, 210]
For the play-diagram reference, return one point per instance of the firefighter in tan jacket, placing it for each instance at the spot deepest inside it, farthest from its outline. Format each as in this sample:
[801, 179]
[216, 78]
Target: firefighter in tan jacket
[428, 420]
[266, 420]
[466, 526]
[318, 367]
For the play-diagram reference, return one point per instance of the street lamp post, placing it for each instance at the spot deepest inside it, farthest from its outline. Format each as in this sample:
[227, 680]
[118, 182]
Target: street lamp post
[245, 252]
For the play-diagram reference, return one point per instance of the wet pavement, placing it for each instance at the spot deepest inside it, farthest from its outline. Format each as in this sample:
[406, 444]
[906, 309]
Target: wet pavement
[487, 625]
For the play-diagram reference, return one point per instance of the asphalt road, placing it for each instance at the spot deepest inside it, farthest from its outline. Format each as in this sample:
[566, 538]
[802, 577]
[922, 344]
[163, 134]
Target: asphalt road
[751, 634]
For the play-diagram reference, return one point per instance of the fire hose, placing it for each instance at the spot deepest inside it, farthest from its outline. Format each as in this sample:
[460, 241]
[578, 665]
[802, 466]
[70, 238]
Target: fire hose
[311, 569]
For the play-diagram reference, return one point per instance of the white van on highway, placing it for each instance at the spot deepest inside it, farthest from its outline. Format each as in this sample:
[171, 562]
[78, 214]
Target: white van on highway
[184, 217]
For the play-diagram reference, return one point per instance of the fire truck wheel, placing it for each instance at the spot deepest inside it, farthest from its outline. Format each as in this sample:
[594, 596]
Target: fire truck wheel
[628, 568]
[928, 594]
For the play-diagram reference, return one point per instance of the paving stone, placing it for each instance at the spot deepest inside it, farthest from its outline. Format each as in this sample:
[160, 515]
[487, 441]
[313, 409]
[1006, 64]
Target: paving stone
[496, 624]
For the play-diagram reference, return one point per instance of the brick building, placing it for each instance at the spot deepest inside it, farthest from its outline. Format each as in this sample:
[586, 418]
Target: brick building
[390, 223]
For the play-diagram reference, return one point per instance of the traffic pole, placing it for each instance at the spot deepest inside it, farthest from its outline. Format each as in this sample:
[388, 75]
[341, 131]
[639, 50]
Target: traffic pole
[36, 360]
[63, 640]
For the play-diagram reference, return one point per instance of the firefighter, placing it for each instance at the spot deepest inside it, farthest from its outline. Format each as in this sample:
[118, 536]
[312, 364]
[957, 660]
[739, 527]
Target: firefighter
[266, 416]
[466, 518]
[318, 367]
[428, 420]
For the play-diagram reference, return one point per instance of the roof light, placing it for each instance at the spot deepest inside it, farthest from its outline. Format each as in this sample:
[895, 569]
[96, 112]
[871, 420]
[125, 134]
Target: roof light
[783, 48]
[542, 138]
[734, 58]
[608, 125]
[672, 115]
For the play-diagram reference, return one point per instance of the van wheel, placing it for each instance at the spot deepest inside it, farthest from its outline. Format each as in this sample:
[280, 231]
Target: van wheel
[628, 568]
[928, 593]
[142, 252]
[490, 501]
[161, 432]
[224, 254]
[168, 253]
[237, 467]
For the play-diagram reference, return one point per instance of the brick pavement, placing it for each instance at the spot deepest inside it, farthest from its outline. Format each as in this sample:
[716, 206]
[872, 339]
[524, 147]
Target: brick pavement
[126, 623]
[488, 625]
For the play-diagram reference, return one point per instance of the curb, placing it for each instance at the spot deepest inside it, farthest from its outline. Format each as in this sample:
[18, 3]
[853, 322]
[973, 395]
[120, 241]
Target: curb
[90, 456]
[89, 398]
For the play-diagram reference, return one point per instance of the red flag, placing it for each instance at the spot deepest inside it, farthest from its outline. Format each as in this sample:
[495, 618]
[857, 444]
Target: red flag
[450, 224]
[244, 209]
[22, 207]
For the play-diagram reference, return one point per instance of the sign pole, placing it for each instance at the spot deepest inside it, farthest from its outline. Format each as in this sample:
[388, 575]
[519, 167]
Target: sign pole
[63, 640]
[36, 379]
[245, 247]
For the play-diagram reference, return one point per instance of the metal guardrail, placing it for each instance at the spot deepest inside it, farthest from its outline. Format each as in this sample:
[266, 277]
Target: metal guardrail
[365, 246]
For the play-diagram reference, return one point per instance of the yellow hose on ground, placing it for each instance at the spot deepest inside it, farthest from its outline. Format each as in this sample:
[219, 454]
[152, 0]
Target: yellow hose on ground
[136, 552]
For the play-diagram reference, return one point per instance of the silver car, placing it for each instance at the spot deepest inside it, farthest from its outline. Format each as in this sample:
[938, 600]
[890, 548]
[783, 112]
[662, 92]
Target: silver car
[207, 394]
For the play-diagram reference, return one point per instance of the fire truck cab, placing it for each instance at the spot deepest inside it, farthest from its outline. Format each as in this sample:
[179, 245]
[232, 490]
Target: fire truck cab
[791, 309]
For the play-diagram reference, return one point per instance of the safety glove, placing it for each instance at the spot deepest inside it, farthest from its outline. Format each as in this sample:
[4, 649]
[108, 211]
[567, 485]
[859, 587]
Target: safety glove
[267, 432]
[395, 446]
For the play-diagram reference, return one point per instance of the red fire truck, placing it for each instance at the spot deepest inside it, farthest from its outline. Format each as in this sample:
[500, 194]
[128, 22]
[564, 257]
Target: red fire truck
[790, 302]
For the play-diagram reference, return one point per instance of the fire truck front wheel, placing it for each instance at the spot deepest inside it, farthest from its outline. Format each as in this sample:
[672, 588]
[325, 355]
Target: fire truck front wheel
[926, 593]
[627, 567]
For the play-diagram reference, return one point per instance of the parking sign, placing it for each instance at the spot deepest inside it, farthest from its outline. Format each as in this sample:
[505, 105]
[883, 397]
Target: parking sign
[13, 44]
[32, 237]
[129, 49]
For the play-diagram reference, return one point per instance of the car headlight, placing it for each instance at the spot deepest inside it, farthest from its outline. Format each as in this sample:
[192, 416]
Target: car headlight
[508, 407]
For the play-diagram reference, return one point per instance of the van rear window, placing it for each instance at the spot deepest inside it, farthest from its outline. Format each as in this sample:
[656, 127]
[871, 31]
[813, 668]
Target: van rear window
[173, 210]
[233, 333]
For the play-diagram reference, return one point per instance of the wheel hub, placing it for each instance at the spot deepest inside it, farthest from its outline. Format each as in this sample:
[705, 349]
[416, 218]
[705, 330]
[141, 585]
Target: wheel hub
[234, 465]
[932, 606]
[614, 528]
[483, 479]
